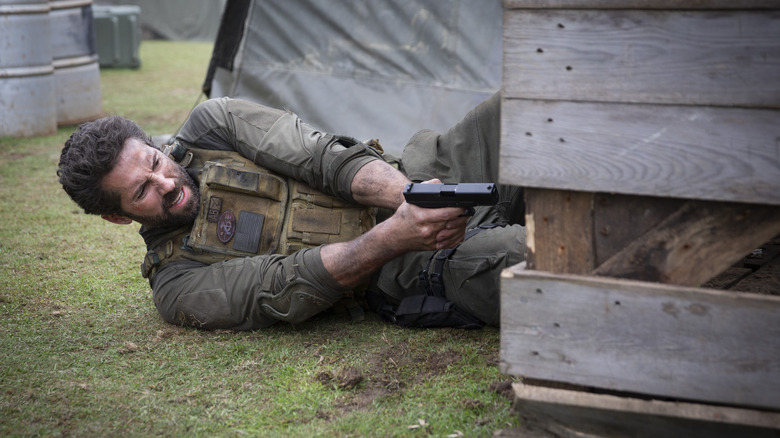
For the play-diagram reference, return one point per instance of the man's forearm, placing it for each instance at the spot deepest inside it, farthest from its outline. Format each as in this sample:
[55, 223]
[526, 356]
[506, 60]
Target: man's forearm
[379, 184]
[351, 263]
[376, 184]
[410, 229]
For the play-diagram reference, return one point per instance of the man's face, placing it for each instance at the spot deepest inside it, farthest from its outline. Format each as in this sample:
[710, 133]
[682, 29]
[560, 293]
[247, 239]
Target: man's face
[154, 190]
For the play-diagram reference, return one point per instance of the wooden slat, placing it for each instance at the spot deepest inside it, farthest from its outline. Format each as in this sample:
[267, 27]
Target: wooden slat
[722, 154]
[560, 231]
[692, 58]
[565, 413]
[765, 280]
[757, 272]
[695, 243]
[728, 278]
[654, 339]
[640, 4]
[621, 219]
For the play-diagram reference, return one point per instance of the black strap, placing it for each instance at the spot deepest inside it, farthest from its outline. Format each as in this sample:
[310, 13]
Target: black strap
[422, 311]
[432, 309]
[431, 278]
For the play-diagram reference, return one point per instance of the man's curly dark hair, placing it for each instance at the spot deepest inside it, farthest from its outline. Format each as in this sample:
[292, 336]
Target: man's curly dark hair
[89, 155]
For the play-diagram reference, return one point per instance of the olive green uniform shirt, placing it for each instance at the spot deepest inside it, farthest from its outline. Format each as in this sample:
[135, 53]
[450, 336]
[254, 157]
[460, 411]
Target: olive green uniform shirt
[225, 294]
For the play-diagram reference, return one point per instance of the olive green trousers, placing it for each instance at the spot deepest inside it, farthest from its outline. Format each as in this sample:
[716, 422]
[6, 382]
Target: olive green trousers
[468, 152]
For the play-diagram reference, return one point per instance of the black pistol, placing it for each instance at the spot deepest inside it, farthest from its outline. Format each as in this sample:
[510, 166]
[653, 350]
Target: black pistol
[466, 195]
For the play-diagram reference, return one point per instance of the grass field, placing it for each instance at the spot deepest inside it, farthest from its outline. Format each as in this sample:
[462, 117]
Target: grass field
[84, 353]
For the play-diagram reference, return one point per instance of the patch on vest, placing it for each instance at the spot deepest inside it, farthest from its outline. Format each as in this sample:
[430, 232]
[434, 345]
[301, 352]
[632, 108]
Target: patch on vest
[226, 226]
[250, 225]
[215, 207]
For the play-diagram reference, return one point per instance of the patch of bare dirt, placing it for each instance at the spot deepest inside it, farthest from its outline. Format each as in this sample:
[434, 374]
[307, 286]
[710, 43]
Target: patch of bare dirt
[503, 388]
[347, 378]
[437, 363]
[390, 370]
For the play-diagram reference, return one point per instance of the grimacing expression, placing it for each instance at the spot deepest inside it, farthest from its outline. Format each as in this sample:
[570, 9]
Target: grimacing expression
[154, 190]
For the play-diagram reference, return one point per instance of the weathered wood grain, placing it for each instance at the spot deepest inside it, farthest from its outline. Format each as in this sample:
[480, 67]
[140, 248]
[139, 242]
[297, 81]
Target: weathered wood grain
[653, 339]
[695, 243]
[728, 278]
[692, 58]
[618, 220]
[722, 154]
[757, 272]
[640, 4]
[765, 280]
[566, 413]
[560, 231]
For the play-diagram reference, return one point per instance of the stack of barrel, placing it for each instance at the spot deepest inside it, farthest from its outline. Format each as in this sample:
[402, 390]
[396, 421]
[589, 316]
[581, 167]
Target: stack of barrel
[49, 71]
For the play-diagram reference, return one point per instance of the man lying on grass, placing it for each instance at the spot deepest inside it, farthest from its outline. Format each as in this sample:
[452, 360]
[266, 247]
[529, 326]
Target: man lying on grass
[251, 217]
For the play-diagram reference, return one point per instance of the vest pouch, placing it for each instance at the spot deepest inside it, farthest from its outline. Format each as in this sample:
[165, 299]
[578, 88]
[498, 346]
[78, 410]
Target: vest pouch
[242, 210]
[317, 219]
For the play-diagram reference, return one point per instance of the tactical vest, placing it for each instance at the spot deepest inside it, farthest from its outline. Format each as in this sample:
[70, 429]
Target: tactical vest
[247, 210]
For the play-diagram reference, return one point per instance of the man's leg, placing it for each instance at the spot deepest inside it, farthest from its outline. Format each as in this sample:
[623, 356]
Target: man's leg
[468, 152]
[470, 276]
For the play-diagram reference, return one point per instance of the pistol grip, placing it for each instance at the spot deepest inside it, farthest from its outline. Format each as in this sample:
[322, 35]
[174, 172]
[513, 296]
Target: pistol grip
[469, 212]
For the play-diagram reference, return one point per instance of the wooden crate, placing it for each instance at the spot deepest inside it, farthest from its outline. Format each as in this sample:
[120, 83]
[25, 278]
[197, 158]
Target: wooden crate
[645, 338]
[550, 412]
[647, 135]
[645, 102]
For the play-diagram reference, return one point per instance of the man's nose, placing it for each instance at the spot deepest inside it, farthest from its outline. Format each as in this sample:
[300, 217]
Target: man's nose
[165, 184]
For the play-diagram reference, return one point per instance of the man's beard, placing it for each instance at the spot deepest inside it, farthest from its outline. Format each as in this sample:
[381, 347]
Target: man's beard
[184, 217]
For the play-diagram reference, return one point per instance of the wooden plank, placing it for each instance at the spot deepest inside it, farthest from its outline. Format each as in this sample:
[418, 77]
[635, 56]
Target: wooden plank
[766, 280]
[645, 338]
[696, 243]
[559, 228]
[728, 278]
[566, 413]
[693, 58]
[641, 4]
[721, 154]
[621, 219]
[757, 272]
[763, 255]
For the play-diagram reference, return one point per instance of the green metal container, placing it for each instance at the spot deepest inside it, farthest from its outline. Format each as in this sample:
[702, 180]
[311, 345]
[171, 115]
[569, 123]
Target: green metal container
[118, 35]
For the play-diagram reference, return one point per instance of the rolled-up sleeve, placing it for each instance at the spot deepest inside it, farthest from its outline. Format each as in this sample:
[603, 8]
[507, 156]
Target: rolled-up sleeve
[279, 141]
[249, 293]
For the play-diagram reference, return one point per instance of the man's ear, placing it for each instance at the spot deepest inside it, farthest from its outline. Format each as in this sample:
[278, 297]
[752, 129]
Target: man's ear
[117, 219]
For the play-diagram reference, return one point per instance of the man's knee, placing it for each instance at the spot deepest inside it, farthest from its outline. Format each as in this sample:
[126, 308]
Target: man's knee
[472, 275]
[297, 302]
[292, 294]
